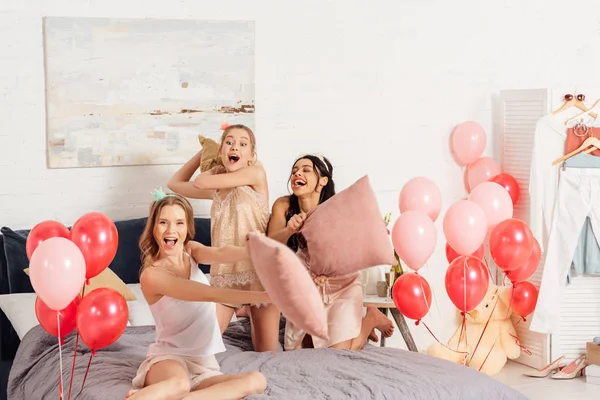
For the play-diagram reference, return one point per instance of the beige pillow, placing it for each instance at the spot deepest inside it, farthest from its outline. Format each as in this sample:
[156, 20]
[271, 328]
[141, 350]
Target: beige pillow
[210, 153]
[106, 279]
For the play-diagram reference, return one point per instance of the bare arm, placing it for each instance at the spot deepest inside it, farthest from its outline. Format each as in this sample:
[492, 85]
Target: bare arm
[180, 182]
[213, 255]
[157, 282]
[278, 229]
[253, 176]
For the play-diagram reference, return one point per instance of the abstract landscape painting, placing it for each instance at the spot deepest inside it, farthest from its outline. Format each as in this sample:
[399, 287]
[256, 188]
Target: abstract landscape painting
[139, 92]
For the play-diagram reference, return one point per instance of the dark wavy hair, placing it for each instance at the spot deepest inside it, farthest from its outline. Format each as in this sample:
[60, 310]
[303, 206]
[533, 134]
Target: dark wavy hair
[322, 168]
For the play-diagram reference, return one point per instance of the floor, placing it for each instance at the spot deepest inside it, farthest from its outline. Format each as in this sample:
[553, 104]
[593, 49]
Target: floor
[546, 388]
[533, 388]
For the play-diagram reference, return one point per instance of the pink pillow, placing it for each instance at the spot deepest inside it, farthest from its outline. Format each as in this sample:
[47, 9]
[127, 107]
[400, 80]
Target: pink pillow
[289, 284]
[347, 233]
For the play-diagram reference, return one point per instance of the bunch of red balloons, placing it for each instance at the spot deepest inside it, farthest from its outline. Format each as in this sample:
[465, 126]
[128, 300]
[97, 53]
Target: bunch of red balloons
[61, 262]
[485, 215]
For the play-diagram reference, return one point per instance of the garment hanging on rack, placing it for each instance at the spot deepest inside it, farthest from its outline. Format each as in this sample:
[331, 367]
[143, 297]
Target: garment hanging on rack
[549, 143]
[586, 259]
[577, 135]
[577, 198]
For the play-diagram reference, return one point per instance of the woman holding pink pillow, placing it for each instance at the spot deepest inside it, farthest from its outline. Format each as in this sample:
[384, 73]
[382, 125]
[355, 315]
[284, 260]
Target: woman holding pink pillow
[312, 183]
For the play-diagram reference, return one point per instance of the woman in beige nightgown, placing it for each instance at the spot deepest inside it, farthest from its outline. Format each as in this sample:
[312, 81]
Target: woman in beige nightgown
[240, 205]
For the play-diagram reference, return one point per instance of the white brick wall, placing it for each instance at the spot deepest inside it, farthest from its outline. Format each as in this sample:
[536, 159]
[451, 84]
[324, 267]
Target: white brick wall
[375, 86]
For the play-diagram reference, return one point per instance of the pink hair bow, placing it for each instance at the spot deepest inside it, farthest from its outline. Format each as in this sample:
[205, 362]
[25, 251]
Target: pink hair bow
[224, 126]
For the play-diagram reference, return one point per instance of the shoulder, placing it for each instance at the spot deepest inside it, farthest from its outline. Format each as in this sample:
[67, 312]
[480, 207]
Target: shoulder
[151, 275]
[282, 204]
[256, 170]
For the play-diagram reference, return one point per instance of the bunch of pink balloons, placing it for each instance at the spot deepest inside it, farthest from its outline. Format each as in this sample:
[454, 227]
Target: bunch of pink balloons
[414, 238]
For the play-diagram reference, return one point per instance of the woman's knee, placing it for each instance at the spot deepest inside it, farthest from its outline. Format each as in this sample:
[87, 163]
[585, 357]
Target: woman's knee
[257, 382]
[179, 386]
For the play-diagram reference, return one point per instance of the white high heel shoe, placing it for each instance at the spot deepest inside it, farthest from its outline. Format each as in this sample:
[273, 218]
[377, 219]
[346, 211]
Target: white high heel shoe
[554, 366]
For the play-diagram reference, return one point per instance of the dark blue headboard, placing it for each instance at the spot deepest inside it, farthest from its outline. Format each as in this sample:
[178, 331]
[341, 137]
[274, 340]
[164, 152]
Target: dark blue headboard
[126, 265]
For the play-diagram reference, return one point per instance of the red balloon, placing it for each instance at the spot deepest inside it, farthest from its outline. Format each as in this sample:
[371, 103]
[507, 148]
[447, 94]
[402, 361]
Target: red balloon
[412, 296]
[509, 183]
[472, 271]
[451, 254]
[97, 238]
[511, 244]
[524, 298]
[47, 317]
[102, 317]
[42, 231]
[523, 273]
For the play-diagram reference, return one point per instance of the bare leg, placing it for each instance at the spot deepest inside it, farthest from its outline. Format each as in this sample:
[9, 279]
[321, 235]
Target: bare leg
[166, 380]
[224, 315]
[229, 387]
[265, 328]
[373, 320]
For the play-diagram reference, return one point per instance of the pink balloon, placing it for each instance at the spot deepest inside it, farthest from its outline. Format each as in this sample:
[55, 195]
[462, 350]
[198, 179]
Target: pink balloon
[421, 194]
[465, 227]
[495, 202]
[468, 142]
[414, 237]
[57, 272]
[482, 170]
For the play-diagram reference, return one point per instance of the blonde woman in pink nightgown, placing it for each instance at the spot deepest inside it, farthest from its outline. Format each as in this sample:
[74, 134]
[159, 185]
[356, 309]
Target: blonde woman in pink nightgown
[312, 184]
[240, 195]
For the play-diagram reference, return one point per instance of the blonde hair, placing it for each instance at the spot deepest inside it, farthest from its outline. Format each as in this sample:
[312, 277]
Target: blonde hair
[239, 126]
[148, 246]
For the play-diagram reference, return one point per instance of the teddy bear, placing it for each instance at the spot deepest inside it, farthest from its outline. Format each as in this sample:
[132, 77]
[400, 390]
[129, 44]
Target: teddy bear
[210, 156]
[499, 342]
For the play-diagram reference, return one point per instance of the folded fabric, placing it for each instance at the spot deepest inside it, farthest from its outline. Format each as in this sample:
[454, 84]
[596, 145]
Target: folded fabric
[347, 233]
[289, 284]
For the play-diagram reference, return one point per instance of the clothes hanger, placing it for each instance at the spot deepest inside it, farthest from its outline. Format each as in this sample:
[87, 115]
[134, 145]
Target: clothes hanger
[586, 111]
[572, 101]
[591, 141]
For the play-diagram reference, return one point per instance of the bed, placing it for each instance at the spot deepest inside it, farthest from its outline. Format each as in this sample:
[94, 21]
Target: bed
[374, 373]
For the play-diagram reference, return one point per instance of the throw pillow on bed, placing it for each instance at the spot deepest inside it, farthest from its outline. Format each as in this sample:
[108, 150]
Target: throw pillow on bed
[347, 233]
[289, 284]
[106, 279]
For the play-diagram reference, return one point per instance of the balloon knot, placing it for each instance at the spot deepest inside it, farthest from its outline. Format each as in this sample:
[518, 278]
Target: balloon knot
[61, 342]
[87, 281]
[93, 352]
[417, 322]
[524, 319]
[462, 313]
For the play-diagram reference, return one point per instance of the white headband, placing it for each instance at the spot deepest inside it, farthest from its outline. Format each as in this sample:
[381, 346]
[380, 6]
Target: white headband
[318, 155]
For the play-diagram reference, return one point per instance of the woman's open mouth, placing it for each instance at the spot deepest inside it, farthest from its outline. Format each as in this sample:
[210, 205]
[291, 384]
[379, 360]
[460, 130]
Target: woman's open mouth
[170, 243]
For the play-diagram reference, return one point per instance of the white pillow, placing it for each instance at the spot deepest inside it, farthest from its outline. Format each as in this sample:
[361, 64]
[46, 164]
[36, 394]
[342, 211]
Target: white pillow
[20, 311]
[139, 310]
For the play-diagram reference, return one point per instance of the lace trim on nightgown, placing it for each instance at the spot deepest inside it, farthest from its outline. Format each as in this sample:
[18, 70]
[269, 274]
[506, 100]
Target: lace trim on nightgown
[240, 281]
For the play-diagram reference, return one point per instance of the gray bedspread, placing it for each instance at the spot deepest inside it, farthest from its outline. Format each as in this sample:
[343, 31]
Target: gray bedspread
[374, 373]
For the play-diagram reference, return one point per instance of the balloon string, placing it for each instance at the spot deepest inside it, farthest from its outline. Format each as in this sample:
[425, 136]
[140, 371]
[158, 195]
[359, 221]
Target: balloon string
[86, 372]
[445, 346]
[486, 325]
[525, 349]
[437, 305]
[59, 355]
[75, 352]
[463, 329]
[488, 354]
